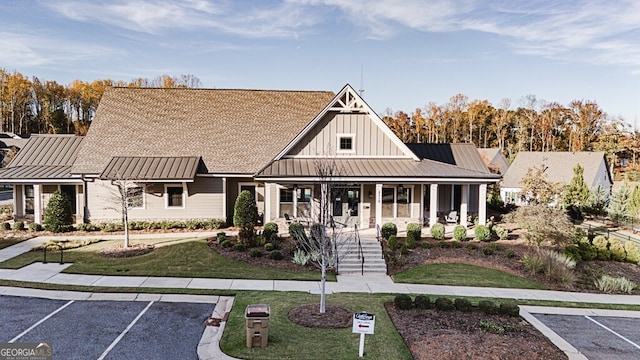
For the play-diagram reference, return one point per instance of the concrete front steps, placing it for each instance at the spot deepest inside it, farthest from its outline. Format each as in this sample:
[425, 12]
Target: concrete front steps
[351, 263]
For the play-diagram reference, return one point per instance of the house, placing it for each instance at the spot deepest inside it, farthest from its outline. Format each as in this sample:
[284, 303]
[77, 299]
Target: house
[558, 168]
[190, 152]
[10, 143]
[494, 159]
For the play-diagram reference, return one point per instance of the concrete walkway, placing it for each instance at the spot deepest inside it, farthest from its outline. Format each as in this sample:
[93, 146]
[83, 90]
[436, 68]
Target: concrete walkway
[51, 273]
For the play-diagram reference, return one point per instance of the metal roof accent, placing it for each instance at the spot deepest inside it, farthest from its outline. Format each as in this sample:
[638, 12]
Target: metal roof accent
[44, 157]
[151, 168]
[371, 168]
[462, 155]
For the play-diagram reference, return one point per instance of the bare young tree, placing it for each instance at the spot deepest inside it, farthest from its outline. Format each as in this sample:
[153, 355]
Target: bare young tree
[125, 194]
[322, 241]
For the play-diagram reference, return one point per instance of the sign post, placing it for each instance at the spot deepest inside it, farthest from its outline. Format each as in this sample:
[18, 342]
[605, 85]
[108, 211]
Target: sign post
[363, 323]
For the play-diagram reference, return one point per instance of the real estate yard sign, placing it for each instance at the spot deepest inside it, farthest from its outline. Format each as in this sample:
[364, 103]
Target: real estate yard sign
[363, 323]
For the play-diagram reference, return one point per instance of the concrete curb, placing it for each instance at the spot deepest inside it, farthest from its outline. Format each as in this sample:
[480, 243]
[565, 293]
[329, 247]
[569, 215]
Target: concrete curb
[563, 345]
[209, 346]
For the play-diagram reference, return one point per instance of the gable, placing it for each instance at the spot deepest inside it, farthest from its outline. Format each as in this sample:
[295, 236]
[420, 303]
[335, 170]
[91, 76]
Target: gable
[347, 127]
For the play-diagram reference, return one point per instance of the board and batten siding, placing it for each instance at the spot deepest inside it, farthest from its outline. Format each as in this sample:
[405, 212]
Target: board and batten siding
[369, 139]
[203, 200]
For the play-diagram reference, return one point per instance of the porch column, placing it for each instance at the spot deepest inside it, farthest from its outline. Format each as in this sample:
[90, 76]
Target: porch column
[267, 202]
[433, 204]
[224, 198]
[482, 204]
[464, 204]
[37, 203]
[79, 204]
[18, 200]
[378, 205]
[295, 201]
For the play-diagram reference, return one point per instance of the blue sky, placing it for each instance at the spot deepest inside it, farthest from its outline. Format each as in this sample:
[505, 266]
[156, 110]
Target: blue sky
[412, 52]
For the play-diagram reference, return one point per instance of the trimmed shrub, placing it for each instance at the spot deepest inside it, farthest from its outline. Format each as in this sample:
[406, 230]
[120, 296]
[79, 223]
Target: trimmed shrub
[247, 235]
[495, 246]
[403, 249]
[392, 242]
[426, 245]
[501, 233]
[443, 303]
[6, 226]
[610, 284]
[509, 308]
[86, 227]
[422, 302]
[633, 255]
[617, 250]
[414, 230]
[488, 307]
[460, 233]
[238, 247]
[455, 244]
[35, 227]
[275, 255]
[388, 229]
[437, 231]
[296, 229]
[443, 244]
[487, 251]
[410, 242]
[226, 244]
[482, 233]
[269, 247]
[221, 236]
[270, 230]
[573, 251]
[403, 302]
[255, 253]
[245, 209]
[215, 224]
[462, 304]
[600, 242]
[18, 225]
[588, 252]
[58, 216]
[509, 253]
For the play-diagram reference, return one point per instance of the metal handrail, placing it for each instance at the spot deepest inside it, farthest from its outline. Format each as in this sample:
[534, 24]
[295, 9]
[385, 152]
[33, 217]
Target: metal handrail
[360, 252]
[44, 260]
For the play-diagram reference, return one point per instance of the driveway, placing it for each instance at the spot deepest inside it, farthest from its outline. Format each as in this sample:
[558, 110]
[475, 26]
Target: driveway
[100, 329]
[589, 333]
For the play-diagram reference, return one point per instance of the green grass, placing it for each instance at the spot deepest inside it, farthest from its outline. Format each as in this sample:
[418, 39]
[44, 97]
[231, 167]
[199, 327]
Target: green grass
[291, 341]
[183, 259]
[11, 241]
[464, 275]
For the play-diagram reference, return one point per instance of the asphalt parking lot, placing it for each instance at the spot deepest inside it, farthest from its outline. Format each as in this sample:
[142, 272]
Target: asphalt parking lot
[594, 334]
[95, 329]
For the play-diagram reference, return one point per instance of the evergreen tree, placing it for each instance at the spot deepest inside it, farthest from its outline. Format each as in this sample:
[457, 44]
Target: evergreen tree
[619, 205]
[58, 216]
[577, 192]
[598, 202]
[634, 202]
[245, 210]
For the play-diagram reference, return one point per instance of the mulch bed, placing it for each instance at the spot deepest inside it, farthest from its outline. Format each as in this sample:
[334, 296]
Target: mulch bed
[309, 315]
[119, 251]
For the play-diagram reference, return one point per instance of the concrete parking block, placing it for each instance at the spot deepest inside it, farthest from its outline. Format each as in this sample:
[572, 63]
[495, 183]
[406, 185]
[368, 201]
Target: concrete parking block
[121, 281]
[215, 284]
[166, 282]
[207, 299]
[113, 296]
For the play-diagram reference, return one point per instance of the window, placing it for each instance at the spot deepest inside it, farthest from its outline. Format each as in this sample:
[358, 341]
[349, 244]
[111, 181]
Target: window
[286, 202]
[28, 199]
[387, 202]
[304, 202]
[404, 202]
[175, 196]
[396, 202]
[346, 143]
[135, 198]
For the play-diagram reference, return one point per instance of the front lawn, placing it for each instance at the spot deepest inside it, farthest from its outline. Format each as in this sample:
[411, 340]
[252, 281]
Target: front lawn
[457, 274]
[185, 259]
[290, 341]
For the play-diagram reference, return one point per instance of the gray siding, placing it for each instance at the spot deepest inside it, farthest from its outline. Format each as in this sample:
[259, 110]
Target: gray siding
[203, 200]
[369, 139]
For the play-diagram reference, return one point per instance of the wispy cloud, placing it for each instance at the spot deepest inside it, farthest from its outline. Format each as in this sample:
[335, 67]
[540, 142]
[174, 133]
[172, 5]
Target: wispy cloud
[26, 49]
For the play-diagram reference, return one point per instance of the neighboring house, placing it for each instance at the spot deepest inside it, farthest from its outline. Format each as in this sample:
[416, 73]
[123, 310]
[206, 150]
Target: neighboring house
[495, 160]
[192, 151]
[558, 168]
[10, 143]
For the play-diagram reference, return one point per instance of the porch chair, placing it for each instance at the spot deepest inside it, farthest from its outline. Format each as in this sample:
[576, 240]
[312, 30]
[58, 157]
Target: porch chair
[452, 217]
[289, 219]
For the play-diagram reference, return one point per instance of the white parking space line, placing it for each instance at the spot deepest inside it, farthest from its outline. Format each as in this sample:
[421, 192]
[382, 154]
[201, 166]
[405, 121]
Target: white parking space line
[41, 321]
[123, 333]
[613, 332]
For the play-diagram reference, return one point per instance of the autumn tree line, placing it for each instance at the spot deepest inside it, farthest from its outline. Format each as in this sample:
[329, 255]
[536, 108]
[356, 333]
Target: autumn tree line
[532, 125]
[35, 106]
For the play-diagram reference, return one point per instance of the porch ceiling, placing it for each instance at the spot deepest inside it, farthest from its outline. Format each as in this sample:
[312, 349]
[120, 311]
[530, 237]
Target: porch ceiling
[180, 168]
[371, 168]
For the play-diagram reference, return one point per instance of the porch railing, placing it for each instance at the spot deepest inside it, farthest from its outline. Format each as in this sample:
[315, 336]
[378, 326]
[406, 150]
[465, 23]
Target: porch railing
[360, 252]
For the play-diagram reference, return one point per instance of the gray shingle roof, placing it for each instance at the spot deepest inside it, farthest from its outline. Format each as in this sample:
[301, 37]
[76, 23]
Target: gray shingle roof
[44, 157]
[559, 166]
[234, 131]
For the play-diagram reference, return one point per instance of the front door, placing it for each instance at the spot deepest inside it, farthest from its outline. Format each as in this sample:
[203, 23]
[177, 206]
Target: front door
[346, 205]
